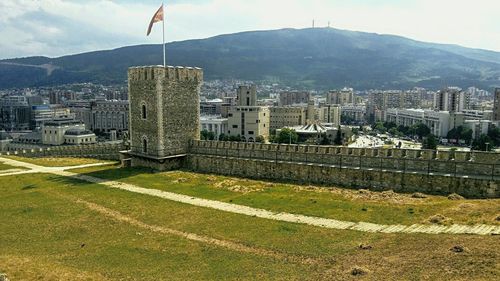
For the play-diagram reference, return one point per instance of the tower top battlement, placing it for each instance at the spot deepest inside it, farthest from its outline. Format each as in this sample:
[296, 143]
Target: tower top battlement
[172, 73]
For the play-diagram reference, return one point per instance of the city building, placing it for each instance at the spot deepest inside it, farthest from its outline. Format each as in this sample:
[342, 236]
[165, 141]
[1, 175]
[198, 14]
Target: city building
[294, 98]
[5, 139]
[216, 124]
[470, 114]
[496, 105]
[107, 116]
[313, 133]
[82, 110]
[478, 127]
[353, 114]
[330, 113]
[44, 113]
[452, 99]
[286, 116]
[79, 136]
[248, 120]
[380, 101]
[217, 106]
[15, 113]
[53, 132]
[342, 97]
[440, 122]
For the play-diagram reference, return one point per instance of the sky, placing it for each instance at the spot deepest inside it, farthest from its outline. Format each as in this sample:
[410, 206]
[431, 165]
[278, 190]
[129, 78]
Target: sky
[61, 27]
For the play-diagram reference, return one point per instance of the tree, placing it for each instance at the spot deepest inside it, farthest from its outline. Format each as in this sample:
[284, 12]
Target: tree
[223, 137]
[430, 142]
[483, 143]
[494, 135]
[272, 138]
[404, 129]
[390, 125]
[210, 136]
[235, 138]
[380, 127]
[325, 140]
[338, 137]
[422, 130]
[260, 139]
[204, 135]
[394, 131]
[460, 133]
[287, 135]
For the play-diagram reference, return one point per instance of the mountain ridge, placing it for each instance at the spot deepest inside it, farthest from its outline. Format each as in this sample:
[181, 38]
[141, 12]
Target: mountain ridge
[319, 58]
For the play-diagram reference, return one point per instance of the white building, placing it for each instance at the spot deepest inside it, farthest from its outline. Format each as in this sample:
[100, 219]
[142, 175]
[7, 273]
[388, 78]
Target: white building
[357, 113]
[53, 131]
[248, 120]
[215, 124]
[329, 114]
[452, 99]
[440, 122]
[342, 97]
[79, 137]
[478, 127]
[109, 116]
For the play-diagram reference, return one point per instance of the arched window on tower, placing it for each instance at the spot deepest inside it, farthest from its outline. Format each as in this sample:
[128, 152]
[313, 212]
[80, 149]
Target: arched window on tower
[145, 146]
[144, 112]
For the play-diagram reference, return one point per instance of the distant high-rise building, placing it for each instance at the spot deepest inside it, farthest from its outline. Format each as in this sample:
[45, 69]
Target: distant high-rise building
[15, 113]
[294, 98]
[109, 116]
[452, 99]
[344, 96]
[496, 105]
[330, 114]
[247, 95]
[286, 116]
[248, 120]
[54, 98]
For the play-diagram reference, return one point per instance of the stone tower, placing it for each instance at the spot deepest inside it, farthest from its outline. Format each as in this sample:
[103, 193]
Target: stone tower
[164, 114]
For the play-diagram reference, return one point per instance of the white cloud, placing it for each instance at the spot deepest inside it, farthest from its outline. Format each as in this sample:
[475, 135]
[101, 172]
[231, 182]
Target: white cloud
[59, 27]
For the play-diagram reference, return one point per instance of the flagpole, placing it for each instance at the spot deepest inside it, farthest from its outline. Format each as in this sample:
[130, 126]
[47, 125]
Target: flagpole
[163, 26]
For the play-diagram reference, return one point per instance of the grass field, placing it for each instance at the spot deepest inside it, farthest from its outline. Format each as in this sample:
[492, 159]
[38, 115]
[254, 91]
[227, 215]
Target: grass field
[5, 167]
[55, 162]
[57, 228]
[337, 203]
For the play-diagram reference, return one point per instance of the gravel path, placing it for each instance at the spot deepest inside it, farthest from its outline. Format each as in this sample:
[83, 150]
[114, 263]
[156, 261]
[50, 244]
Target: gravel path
[481, 229]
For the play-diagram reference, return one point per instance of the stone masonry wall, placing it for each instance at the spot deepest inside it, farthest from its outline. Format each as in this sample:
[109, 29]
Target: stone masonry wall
[171, 98]
[98, 151]
[474, 175]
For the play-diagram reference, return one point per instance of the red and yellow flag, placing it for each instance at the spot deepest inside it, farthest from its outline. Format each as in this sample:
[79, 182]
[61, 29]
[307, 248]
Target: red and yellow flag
[158, 16]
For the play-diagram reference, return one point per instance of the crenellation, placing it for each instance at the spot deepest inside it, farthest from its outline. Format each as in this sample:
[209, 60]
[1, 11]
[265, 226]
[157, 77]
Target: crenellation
[157, 72]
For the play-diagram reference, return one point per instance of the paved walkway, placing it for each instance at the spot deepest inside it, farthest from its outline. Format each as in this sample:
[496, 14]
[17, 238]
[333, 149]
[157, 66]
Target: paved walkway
[481, 229]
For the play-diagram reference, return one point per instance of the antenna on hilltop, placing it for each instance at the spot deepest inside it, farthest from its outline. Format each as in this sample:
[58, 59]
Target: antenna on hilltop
[328, 24]
[313, 23]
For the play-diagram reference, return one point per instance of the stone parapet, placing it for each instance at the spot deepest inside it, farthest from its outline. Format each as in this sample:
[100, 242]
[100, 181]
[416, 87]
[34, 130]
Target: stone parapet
[177, 73]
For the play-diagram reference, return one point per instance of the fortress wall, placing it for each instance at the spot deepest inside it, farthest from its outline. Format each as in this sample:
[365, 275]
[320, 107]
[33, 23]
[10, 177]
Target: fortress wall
[99, 151]
[471, 174]
[346, 177]
[426, 161]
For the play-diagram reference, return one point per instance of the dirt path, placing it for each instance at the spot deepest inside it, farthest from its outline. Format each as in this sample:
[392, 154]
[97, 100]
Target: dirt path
[196, 237]
[481, 229]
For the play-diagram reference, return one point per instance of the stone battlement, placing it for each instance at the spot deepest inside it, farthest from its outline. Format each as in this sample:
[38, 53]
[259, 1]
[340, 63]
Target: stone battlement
[286, 150]
[108, 151]
[171, 73]
[471, 174]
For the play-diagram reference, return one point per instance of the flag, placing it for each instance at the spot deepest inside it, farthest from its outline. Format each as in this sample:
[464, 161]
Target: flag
[158, 16]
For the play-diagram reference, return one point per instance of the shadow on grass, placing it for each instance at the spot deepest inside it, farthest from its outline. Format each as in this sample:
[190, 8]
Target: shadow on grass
[114, 173]
[29, 186]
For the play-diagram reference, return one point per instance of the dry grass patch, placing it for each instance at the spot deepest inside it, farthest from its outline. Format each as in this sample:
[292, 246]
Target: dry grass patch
[56, 161]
